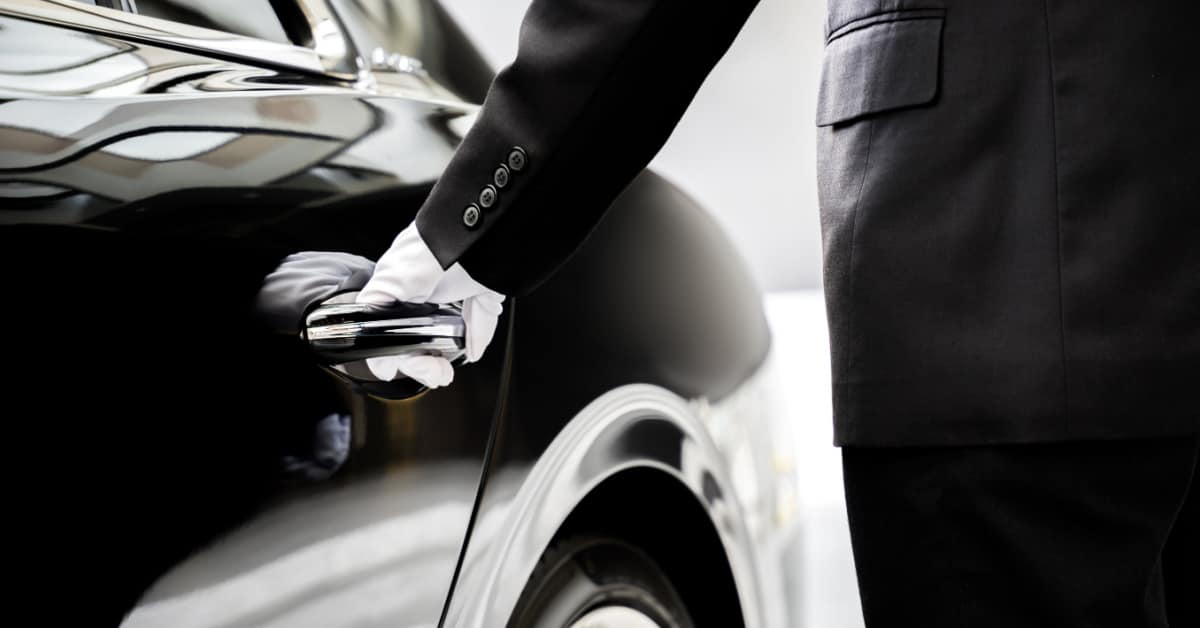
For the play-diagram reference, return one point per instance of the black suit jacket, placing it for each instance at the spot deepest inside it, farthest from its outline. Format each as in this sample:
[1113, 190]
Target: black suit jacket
[1008, 195]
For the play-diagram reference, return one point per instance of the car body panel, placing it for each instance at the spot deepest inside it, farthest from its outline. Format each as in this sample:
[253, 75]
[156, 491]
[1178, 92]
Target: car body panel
[662, 316]
[122, 139]
[149, 153]
[638, 426]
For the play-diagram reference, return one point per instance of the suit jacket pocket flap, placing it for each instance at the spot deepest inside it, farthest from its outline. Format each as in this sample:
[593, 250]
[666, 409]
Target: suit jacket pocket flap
[891, 61]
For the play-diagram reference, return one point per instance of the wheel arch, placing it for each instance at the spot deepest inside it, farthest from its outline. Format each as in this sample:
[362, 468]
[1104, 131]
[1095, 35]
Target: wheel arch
[672, 528]
[636, 435]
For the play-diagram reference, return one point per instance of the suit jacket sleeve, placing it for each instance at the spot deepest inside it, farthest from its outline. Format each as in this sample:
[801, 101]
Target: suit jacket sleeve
[595, 90]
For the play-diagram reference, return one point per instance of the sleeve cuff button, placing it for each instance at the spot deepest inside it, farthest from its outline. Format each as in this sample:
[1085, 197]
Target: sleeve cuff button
[517, 159]
[500, 177]
[471, 216]
[487, 197]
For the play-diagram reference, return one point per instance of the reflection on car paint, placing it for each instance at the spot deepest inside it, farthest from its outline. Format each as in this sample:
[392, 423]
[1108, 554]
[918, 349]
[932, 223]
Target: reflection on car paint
[136, 144]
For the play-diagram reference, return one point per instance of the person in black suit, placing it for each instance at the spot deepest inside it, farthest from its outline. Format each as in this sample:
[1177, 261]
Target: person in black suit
[1011, 230]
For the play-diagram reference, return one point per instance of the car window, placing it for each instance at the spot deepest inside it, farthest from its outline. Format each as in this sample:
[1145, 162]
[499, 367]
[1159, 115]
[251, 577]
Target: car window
[394, 25]
[421, 29]
[252, 18]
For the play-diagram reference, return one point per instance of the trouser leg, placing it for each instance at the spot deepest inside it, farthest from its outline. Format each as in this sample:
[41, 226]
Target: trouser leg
[1061, 535]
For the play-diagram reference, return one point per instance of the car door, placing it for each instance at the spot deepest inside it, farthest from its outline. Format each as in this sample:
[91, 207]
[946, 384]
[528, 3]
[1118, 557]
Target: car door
[157, 159]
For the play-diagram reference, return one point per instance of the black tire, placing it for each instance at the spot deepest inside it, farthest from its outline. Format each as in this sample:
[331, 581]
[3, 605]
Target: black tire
[579, 577]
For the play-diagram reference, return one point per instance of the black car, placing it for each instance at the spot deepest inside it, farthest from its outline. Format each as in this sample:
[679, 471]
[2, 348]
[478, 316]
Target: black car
[614, 460]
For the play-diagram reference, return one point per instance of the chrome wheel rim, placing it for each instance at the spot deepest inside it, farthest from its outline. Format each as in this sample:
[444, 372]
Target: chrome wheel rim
[615, 617]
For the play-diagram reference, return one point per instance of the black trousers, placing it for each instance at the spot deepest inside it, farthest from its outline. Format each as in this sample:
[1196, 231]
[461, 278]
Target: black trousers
[1087, 534]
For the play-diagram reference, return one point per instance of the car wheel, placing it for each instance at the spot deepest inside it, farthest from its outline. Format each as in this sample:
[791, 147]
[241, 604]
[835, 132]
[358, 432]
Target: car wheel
[598, 582]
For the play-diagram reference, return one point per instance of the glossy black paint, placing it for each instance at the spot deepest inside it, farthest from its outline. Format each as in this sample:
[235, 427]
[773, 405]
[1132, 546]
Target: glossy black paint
[146, 190]
[655, 295]
[152, 190]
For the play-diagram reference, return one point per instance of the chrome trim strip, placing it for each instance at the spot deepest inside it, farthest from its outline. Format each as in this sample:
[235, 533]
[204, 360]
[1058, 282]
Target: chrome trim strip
[170, 34]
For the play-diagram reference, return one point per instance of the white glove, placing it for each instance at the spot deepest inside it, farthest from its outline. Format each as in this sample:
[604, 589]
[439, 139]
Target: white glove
[409, 272]
[305, 278]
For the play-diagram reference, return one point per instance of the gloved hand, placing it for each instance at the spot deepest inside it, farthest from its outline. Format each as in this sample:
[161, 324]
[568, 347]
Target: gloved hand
[303, 279]
[409, 272]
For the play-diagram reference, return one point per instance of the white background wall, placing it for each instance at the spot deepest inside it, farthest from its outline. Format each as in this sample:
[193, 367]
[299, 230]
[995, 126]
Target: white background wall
[746, 148]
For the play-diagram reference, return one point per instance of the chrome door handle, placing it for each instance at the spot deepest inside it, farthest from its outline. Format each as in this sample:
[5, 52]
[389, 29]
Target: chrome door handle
[341, 332]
